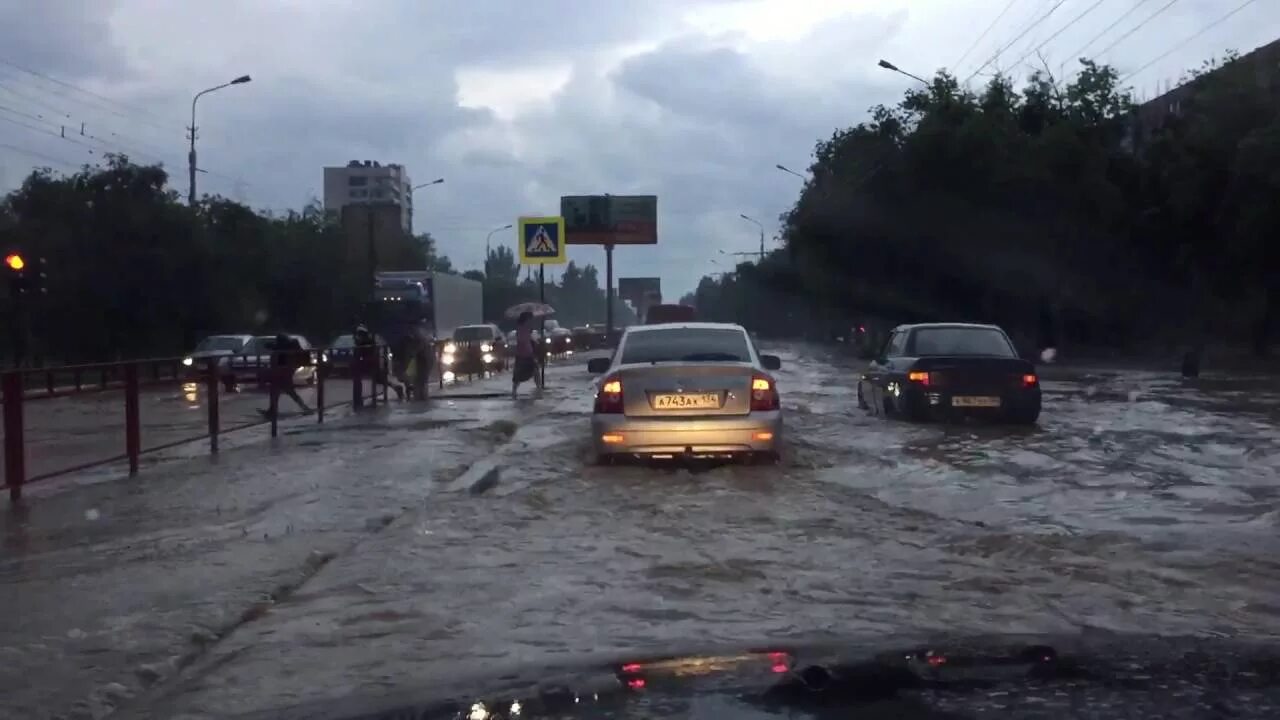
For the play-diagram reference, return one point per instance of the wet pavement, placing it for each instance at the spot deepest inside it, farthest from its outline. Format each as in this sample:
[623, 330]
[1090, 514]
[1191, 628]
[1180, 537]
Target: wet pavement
[363, 556]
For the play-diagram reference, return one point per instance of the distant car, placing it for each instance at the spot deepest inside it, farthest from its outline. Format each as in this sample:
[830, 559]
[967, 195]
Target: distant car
[214, 346]
[253, 362]
[559, 341]
[475, 349]
[341, 354]
[945, 370]
[668, 313]
[686, 390]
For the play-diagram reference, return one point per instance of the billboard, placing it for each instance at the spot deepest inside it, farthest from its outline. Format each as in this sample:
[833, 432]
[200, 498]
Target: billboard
[637, 289]
[610, 219]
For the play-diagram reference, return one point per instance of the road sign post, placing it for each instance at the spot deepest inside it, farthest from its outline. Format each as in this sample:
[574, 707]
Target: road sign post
[541, 242]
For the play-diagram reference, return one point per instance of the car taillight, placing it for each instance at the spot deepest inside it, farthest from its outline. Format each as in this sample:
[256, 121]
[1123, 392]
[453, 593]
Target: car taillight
[1030, 380]
[918, 376]
[609, 397]
[764, 394]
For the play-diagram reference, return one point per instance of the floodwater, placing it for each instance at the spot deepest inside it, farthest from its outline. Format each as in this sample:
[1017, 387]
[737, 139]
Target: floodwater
[1140, 503]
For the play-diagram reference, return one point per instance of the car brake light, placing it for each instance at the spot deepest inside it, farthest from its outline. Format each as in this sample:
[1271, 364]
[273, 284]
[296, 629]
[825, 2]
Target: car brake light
[764, 394]
[1030, 379]
[918, 376]
[609, 398]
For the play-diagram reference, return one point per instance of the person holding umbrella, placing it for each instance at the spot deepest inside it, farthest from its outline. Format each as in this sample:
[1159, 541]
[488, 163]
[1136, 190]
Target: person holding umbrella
[528, 353]
[526, 366]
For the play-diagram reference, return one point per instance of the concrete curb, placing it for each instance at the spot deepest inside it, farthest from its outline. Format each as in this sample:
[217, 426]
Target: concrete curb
[478, 478]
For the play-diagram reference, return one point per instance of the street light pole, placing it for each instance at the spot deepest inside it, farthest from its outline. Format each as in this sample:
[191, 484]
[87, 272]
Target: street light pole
[191, 156]
[757, 222]
[412, 205]
[786, 169]
[487, 238]
[890, 66]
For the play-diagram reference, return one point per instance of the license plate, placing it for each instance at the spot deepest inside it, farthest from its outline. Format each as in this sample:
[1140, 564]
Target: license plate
[975, 401]
[687, 401]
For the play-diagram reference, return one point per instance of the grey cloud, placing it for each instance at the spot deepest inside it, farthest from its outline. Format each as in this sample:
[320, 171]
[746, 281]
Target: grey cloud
[68, 39]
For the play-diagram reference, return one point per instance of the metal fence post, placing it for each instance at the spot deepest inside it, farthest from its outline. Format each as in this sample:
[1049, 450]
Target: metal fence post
[357, 391]
[320, 367]
[273, 391]
[14, 445]
[132, 421]
[211, 389]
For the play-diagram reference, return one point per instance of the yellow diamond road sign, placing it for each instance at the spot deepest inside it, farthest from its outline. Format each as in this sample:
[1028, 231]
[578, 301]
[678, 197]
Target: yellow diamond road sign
[541, 241]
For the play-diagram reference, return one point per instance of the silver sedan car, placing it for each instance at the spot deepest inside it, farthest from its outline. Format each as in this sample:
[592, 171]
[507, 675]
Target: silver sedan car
[686, 390]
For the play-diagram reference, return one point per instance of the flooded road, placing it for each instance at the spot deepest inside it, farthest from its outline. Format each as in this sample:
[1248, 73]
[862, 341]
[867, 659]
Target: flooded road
[1139, 503]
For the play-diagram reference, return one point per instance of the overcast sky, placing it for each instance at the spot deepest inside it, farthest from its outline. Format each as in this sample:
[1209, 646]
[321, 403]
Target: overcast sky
[517, 103]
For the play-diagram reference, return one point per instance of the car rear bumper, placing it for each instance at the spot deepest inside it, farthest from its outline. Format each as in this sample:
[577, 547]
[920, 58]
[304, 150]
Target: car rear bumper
[759, 432]
[938, 404]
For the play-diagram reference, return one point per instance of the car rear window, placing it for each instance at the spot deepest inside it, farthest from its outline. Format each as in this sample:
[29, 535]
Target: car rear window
[962, 341]
[220, 342]
[686, 344]
[344, 341]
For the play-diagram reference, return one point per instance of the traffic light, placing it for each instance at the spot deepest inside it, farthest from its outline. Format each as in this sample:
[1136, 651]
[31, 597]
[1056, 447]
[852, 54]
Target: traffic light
[39, 280]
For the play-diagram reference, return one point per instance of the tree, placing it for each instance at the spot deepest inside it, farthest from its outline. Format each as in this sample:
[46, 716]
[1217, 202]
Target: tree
[132, 271]
[1011, 204]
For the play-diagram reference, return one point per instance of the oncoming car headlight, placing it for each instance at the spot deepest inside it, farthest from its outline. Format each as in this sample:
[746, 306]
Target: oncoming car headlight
[486, 347]
[187, 361]
[487, 357]
[450, 348]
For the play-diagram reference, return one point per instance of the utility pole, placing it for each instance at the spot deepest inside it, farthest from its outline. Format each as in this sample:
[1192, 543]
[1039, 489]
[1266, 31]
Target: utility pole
[191, 155]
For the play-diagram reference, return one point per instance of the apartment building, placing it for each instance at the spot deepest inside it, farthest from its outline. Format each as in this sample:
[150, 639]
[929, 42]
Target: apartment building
[362, 182]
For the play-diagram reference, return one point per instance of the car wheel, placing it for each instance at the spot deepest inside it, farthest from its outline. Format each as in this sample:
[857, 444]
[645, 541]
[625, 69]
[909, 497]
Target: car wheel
[1025, 417]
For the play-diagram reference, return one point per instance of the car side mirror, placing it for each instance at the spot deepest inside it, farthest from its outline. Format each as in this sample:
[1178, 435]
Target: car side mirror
[770, 362]
[598, 365]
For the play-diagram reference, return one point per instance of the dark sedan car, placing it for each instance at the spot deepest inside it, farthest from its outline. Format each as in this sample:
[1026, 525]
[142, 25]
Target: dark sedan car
[948, 370]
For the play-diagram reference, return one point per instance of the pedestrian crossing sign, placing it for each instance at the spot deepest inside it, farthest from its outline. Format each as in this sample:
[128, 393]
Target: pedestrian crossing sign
[541, 241]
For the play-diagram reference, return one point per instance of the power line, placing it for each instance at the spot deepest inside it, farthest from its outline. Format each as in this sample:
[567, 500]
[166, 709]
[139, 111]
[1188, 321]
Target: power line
[1107, 29]
[148, 152]
[984, 34]
[42, 156]
[1188, 39]
[1061, 30]
[135, 111]
[1021, 35]
[1136, 28]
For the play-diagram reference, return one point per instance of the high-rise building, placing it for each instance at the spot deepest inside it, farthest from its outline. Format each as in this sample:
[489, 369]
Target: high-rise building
[368, 181]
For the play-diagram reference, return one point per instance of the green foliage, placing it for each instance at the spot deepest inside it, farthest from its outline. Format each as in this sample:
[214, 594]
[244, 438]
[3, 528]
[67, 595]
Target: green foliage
[996, 204]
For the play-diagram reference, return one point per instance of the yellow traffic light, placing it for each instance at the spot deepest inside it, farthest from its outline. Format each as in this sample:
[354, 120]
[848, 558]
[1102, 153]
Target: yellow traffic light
[14, 262]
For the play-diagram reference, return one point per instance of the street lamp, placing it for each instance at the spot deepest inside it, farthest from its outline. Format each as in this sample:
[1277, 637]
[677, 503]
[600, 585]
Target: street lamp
[786, 169]
[437, 181]
[890, 66]
[487, 238]
[191, 157]
[757, 222]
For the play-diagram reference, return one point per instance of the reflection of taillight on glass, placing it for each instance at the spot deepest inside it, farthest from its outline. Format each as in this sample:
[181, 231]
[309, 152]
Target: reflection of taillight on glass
[781, 662]
[636, 683]
[609, 397]
[764, 394]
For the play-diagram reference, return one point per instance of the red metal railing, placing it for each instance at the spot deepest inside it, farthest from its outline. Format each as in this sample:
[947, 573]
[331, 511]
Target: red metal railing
[20, 389]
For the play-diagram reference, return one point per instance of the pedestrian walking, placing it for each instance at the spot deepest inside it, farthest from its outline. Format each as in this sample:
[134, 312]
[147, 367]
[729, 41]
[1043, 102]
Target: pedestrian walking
[286, 358]
[526, 365]
[368, 358]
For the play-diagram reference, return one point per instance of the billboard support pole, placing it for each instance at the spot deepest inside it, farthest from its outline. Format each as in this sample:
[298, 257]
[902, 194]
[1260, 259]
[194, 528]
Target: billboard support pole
[608, 292]
[542, 338]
